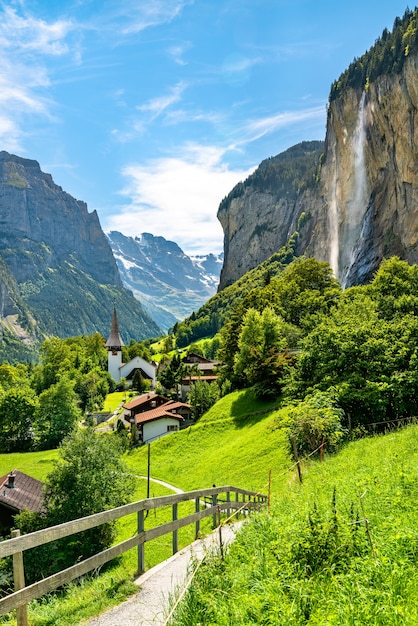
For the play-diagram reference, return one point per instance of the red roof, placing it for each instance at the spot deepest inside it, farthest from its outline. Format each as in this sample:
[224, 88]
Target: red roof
[146, 397]
[156, 414]
[26, 493]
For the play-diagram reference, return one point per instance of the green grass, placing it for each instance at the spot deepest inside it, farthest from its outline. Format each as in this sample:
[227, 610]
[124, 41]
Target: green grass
[238, 442]
[36, 464]
[314, 563]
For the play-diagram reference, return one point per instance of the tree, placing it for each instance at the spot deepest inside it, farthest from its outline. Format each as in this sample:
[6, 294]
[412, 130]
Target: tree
[57, 413]
[17, 409]
[172, 374]
[88, 477]
[260, 346]
[202, 396]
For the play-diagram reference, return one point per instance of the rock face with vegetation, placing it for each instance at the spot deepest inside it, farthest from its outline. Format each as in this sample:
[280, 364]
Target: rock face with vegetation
[57, 271]
[362, 202]
[260, 215]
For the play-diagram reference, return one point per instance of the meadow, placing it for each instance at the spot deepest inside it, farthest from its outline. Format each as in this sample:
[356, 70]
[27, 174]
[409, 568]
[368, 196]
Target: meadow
[240, 441]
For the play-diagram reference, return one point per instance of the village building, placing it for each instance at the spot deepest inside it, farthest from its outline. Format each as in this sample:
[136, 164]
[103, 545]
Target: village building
[18, 492]
[119, 370]
[154, 416]
[200, 368]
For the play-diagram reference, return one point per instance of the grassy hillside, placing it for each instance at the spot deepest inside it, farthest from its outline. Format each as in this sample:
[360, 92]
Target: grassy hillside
[341, 548]
[237, 442]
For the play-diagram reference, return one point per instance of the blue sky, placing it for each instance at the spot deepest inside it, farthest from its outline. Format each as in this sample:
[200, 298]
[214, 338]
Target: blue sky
[152, 110]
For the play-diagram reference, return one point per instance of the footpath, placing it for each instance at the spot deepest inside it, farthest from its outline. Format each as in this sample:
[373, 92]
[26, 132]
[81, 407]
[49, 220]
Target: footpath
[151, 605]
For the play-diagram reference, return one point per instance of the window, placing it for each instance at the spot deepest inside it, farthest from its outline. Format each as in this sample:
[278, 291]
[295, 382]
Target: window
[172, 427]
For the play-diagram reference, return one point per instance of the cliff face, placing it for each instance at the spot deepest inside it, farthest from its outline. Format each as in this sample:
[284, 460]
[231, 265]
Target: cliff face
[364, 206]
[367, 206]
[36, 211]
[259, 216]
[57, 271]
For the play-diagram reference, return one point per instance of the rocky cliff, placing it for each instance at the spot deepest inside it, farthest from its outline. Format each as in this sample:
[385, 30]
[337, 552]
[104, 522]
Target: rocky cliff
[57, 271]
[364, 203]
[168, 283]
[367, 207]
[260, 215]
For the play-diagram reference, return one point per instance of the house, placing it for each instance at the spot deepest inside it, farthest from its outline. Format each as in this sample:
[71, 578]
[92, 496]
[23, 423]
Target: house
[154, 416]
[116, 368]
[18, 492]
[200, 369]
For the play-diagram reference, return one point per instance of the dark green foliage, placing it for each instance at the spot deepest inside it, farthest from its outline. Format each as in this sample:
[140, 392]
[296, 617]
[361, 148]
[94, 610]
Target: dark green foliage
[212, 316]
[202, 396]
[17, 409]
[316, 421]
[303, 289]
[387, 56]
[57, 413]
[88, 478]
[285, 175]
[171, 374]
[365, 353]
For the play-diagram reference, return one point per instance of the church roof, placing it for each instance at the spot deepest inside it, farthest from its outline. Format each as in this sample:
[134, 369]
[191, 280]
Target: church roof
[115, 340]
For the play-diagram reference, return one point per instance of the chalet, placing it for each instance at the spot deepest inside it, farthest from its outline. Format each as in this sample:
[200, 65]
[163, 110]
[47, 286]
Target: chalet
[18, 492]
[155, 416]
[116, 368]
[200, 369]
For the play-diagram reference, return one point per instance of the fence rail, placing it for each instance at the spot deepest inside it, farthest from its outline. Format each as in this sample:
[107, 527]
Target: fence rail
[250, 500]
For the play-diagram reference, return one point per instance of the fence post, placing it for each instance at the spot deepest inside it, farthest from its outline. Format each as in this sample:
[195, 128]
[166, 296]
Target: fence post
[175, 532]
[214, 503]
[141, 547]
[197, 509]
[228, 499]
[19, 582]
[237, 500]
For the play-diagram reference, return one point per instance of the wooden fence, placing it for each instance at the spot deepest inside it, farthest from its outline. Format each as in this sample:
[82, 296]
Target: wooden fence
[207, 503]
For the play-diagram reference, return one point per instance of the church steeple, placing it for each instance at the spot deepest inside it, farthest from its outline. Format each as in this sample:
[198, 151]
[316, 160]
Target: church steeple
[115, 340]
[114, 346]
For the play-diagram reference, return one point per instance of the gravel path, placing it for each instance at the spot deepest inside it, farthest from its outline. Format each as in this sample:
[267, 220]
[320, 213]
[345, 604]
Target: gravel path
[150, 606]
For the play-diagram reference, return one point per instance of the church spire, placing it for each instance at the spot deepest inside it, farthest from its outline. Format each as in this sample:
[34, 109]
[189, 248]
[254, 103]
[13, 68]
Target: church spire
[115, 340]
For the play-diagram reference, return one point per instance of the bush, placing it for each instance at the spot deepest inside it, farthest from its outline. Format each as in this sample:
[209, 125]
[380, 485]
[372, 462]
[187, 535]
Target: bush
[316, 421]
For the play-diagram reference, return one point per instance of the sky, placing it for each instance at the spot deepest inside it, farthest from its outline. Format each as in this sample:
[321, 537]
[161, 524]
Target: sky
[151, 111]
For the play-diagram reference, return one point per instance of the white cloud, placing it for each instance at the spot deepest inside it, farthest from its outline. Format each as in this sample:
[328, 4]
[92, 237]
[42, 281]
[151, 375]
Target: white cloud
[142, 15]
[24, 44]
[178, 198]
[28, 34]
[157, 105]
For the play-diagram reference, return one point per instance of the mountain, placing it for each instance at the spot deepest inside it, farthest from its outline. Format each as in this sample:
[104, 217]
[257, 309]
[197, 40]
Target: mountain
[57, 271]
[169, 284]
[357, 193]
[259, 215]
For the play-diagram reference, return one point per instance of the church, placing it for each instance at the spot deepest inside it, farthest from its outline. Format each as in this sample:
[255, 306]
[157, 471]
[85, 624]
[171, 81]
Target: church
[119, 370]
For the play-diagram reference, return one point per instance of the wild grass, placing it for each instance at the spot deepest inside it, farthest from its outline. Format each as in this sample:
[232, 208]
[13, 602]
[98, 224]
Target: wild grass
[238, 442]
[342, 548]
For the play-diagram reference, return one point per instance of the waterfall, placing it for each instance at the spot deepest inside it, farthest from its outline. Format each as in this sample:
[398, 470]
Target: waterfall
[334, 247]
[357, 204]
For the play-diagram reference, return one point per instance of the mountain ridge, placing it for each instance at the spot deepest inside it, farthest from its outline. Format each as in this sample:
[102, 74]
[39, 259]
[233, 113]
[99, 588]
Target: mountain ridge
[57, 271]
[169, 284]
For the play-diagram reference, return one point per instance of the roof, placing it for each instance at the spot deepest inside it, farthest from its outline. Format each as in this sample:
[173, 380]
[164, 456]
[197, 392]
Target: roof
[203, 366]
[146, 397]
[188, 379]
[115, 340]
[26, 494]
[172, 405]
[156, 414]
